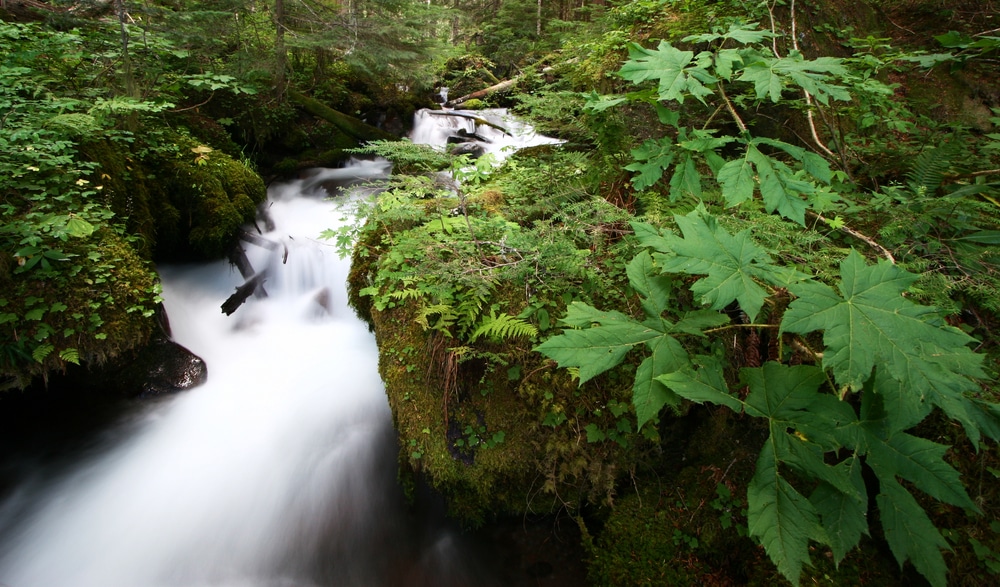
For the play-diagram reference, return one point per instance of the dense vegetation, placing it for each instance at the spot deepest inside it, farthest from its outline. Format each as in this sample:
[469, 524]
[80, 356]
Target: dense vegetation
[745, 311]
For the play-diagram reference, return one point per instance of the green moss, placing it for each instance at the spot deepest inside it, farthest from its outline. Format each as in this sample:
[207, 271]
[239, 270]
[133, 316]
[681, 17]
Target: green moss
[125, 190]
[202, 200]
[181, 203]
[474, 104]
[99, 309]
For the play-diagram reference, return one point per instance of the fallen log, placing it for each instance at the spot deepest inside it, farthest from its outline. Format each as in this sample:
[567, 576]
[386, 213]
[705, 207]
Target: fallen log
[265, 243]
[243, 292]
[354, 128]
[500, 87]
[477, 119]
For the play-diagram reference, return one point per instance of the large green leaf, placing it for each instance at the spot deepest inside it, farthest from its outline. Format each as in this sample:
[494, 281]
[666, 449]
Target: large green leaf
[707, 384]
[597, 349]
[648, 394]
[732, 264]
[653, 287]
[685, 181]
[780, 517]
[779, 187]
[770, 76]
[910, 533]
[868, 320]
[739, 32]
[843, 515]
[671, 67]
[651, 159]
[919, 461]
[737, 180]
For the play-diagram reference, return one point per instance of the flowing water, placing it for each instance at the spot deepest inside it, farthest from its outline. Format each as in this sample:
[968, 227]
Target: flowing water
[280, 470]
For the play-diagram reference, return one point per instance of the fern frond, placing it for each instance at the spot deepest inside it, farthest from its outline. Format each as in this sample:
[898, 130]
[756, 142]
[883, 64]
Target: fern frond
[470, 306]
[444, 312]
[407, 154]
[502, 327]
[929, 167]
[404, 294]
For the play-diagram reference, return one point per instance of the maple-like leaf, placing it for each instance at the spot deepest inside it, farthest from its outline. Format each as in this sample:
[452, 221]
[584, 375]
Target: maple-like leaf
[770, 76]
[685, 181]
[739, 32]
[737, 180]
[648, 394]
[732, 264]
[779, 187]
[651, 159]
[671, 67]
[595, 350]
[780, 517]
[867, 320]
[653, 287]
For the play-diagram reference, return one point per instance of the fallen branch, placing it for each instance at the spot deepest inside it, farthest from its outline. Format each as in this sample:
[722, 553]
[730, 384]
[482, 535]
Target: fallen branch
[867, 239]
[243, 292]
[500, 87]
[477, 119]
[349, 125]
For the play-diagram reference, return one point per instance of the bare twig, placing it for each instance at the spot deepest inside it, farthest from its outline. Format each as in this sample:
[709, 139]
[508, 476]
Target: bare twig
[212, 95]
[867, 239]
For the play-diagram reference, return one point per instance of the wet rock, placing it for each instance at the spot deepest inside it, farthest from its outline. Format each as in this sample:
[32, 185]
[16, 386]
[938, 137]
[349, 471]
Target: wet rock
[471, 149]
[164, 367]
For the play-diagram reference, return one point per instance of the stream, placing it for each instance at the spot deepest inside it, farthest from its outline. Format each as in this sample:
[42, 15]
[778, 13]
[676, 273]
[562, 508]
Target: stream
[280, 470]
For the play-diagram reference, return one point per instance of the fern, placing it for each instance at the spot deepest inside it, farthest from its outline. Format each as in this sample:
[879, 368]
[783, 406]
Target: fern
[501, 327]
[446, 318]
[930, 166]
[407, 155]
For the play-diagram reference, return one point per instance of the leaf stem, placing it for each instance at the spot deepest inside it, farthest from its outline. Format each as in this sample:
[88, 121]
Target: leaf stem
[730, 326]
[732, 110]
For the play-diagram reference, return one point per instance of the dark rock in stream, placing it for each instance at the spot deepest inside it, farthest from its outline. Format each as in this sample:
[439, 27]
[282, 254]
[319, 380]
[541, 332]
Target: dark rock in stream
[472, 149]
[163, 367]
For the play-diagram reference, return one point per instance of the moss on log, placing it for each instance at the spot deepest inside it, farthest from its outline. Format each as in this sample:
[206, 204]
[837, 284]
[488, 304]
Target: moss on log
[360, 131]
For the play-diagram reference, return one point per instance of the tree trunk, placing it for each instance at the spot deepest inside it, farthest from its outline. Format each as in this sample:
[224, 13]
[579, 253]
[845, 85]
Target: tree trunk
[280, 54]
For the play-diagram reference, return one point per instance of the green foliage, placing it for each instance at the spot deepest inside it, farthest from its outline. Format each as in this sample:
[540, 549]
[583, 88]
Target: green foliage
[788, 188]
[74, 277]
[887, 361]
[900, 357]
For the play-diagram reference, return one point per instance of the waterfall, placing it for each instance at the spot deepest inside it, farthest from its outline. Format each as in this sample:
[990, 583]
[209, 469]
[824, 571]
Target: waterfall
[281, 469]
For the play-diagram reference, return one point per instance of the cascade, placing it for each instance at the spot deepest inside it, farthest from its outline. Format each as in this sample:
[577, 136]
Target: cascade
[281, 469]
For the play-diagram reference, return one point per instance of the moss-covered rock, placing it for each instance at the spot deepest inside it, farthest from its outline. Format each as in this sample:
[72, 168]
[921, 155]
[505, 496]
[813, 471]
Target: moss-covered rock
[183, 199]
[89, 313]
[502, 432]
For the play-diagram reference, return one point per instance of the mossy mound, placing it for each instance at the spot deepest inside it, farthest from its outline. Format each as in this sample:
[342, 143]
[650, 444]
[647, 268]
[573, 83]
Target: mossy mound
[89, 313]
[213, 196]
[184, 199]
[496, 429]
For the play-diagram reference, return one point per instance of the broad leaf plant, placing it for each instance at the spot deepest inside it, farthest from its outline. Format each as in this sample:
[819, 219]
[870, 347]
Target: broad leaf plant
[885, 363]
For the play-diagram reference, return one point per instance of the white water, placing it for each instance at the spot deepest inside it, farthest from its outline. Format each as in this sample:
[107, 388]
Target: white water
[278, 472]
[434, 127]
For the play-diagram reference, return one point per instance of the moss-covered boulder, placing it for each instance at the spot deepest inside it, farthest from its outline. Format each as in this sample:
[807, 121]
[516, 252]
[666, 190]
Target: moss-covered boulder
[493, 426]
[205, 196]
[184, 199]
[87, 312]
